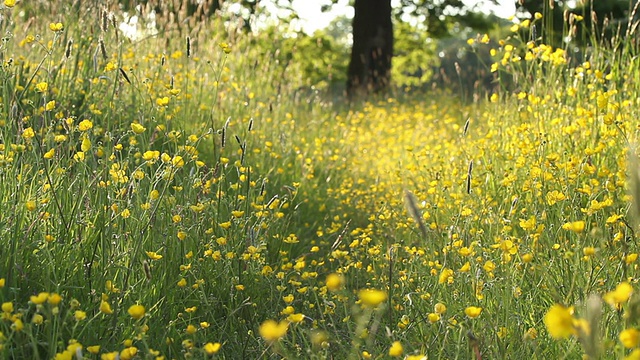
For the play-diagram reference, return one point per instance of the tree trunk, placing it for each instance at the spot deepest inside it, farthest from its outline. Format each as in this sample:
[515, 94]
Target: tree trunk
[370, 65]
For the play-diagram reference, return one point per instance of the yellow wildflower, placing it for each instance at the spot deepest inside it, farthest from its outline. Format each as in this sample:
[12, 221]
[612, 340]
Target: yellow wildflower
[473, 311]
[575, 226]
[271, 331]
[396, 349]
[334, 282]
[85, 125]
[630, 338]
[137, 128]
[618, 296]
[105, 308]
[136, 311]
[371, 297]
[56, 27]
[211, 349]
[40, 298]
[559, 322]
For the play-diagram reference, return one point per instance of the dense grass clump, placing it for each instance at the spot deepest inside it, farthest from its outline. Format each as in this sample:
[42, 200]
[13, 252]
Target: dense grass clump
[183, 195]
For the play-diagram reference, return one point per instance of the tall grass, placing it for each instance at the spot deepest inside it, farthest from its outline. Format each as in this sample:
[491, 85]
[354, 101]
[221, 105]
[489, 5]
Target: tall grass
[182, 195]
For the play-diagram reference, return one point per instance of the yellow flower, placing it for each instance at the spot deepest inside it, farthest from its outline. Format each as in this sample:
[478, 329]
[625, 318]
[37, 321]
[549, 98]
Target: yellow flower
[110, 286]
[50, 105]
[153, 255]
[575, 226]
[136, 311]
[618, 296]
[177, 161]
[105, 308]
[7, 307]
[440, 308]
[473, 311]
[433, 317]
[446, 276]
[137, 128]
[211, 349]
[630, 338]
[31, 205]
[528, 224]
[40, 298]
[466, 267]
[295, 318]
[559, 322]
[86, 144]
[554, 197]
[334, 282]
[225, 47]
[17, 325]
[110, 66]
[634, 355]
[589, 251]
[93, 349]
[50, 154]
[56, 27]
[41, 86]
[28, 133]
[60, 138]
[110, 356]
[164, 101]
[396, 349]
[85, 125]
[54, 299]
[128, 353]
[489, 266]
[271, 331]
[37, 319]
[371, 297]
[9, 3]
[80, 315]
[151, 155]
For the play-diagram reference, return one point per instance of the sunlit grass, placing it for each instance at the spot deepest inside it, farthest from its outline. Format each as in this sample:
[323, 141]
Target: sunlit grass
[182, 195]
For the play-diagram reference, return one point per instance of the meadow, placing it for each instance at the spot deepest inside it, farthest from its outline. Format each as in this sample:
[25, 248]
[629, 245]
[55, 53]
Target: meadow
[187, 195]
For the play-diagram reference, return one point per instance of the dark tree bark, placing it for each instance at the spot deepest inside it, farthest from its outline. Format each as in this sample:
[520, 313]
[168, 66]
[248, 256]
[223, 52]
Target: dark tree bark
[370, 65]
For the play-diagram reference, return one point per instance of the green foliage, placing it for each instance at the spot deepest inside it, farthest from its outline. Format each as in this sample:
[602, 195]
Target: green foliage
[321, 59]
[414, 56]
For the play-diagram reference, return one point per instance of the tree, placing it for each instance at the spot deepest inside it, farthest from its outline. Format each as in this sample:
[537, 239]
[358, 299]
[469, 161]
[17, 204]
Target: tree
[370, 66]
